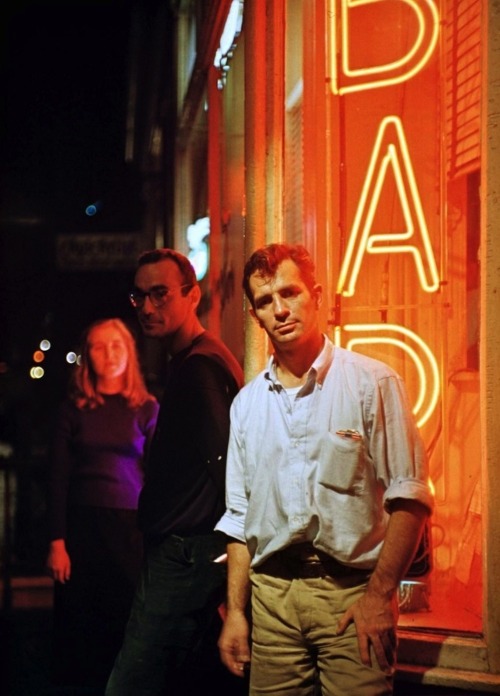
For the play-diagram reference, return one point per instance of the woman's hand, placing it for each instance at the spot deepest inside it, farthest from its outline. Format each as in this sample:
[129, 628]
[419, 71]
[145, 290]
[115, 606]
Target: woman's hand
[58, 561]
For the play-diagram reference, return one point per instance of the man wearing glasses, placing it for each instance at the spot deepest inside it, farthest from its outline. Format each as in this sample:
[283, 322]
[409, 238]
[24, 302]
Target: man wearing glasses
[182, 580]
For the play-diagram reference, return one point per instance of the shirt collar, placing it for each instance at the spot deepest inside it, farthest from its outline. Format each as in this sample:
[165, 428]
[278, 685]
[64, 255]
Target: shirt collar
[324, 360]
[317, 371]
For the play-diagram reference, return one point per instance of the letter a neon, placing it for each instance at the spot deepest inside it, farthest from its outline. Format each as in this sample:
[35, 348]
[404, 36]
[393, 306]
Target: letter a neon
[390, 150]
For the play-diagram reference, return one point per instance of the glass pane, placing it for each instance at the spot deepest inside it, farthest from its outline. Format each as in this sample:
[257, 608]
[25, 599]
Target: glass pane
[404, 105]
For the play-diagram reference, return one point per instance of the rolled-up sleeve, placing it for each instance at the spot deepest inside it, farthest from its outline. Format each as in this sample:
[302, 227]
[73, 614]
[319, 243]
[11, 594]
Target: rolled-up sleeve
[409, 488]
[232, 523]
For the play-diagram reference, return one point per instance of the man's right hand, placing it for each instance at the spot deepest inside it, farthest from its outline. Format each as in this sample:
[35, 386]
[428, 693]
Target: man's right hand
[233, 643]
[58, 561]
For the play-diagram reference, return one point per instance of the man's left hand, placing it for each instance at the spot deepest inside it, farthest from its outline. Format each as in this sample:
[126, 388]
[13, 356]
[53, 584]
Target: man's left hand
[375, 617]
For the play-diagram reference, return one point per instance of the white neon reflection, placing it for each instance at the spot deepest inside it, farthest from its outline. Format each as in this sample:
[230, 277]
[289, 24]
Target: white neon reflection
[428, 393]
[231, 31]
[367, 207]
[420, 8]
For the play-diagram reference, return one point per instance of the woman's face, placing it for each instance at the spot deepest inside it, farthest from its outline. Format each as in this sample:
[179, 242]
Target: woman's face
[107, 352]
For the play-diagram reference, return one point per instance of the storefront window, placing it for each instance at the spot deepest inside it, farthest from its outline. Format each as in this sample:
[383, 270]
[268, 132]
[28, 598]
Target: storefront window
[399, 90]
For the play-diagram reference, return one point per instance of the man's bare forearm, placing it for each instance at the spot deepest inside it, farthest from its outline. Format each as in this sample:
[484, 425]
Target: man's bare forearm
[238, 582]
[401, 541]
[375, 614]
[234, 640]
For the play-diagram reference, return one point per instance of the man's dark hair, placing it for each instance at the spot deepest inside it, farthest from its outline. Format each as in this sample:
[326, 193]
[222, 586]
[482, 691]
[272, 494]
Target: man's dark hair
[265, 262]
[182, 262]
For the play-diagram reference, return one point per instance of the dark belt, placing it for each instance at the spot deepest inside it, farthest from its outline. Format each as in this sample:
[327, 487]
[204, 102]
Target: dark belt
[304, 561]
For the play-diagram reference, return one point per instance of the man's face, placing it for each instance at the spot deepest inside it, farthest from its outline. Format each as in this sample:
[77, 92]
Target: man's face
[284, 306]
[164, 321]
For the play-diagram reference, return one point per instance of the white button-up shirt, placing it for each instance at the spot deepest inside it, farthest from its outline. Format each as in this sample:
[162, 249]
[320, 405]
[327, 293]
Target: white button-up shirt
[324, 462]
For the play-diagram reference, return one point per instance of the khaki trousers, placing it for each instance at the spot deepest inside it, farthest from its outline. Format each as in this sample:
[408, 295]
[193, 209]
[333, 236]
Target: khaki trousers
[295, 651]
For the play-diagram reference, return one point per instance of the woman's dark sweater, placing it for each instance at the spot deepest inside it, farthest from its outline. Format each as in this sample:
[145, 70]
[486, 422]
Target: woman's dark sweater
[97, 457]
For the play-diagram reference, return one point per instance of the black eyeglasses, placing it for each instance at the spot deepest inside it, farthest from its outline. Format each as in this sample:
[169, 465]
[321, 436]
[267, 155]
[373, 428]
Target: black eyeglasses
[157, 296]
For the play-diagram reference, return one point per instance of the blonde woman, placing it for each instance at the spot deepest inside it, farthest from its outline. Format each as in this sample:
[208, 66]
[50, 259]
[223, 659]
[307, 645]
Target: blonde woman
[103, 430]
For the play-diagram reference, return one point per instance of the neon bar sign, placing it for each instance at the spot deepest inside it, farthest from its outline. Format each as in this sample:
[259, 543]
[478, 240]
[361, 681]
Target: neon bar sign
[390, 153]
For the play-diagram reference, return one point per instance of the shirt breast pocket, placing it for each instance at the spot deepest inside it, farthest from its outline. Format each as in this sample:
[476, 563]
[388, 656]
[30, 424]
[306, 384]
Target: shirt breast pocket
[341, 465]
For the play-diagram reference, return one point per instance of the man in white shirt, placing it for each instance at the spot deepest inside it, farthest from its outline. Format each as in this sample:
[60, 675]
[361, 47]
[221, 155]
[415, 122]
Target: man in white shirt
[326, 497]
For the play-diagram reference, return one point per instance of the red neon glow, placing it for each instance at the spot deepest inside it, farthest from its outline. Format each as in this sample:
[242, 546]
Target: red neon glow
[347, 79]
[390, 149]
[422, 356]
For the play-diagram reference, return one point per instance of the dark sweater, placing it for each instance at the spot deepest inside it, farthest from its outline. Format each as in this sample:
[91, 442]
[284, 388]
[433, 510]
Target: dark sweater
[97, 457]
[185, 474]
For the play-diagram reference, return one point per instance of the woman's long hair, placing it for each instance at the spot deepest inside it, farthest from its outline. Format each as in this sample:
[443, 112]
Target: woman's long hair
[83, 389]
